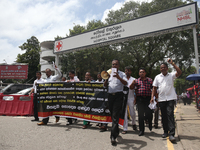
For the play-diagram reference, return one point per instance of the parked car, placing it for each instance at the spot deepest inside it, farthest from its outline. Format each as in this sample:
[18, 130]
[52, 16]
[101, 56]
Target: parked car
[23, 95]
[13, 88]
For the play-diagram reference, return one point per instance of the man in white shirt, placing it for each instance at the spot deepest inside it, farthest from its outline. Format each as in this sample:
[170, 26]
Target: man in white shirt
[51, 78]
[166, 97]
[130, 102]
[34, 89]
[115, 84]
[72, 77]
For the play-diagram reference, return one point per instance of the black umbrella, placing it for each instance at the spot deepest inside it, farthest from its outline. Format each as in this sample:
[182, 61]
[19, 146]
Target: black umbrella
[193, 77]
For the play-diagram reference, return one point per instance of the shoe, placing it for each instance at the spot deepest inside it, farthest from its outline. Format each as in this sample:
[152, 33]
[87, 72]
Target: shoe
[164, 135]
[68, 123]
[103, 128]
[41, 123]
[156, 126]
[134, 127]
[172, 138]
[57, 119]
[150, 126]
[124, 132]
[141, 133]
[35, 120]
[113, 141]
[84, 127]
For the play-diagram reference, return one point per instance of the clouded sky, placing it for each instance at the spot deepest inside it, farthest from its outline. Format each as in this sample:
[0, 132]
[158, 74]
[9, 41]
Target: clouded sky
[45, 19]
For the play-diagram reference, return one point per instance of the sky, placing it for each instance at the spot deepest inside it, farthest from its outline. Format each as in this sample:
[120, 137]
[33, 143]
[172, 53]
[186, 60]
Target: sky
[45, 19]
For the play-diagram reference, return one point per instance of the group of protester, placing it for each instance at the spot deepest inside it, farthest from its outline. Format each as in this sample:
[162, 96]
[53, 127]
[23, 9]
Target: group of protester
[142, 91]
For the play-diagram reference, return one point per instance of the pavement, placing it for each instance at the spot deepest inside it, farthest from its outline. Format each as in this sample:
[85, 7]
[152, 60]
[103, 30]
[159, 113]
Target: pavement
[19, 133]
[188, 126]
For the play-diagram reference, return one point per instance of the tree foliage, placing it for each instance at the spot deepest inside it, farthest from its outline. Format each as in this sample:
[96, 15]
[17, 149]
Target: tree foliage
[31, 56]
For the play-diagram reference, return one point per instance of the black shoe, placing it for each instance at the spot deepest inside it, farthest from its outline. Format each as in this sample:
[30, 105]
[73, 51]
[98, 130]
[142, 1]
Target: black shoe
[164, 135]
[172, 138]
[113, 141]
[35, 120]
[134, 127]
[141, 133]
[150, 126]
[103, 129]
[68, 123]
[156, 126]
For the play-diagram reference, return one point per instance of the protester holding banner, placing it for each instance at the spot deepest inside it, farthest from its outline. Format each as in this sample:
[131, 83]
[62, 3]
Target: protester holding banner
[51, 78]
[115, 84]
[130, 102]
[87, 79]
[64, 79]
[166, 97]
[143, 94]
[72, 78]
[34, 89]
[102, 126]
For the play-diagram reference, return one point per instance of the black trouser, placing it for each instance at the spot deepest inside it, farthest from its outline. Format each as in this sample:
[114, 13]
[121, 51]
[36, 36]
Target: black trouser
[144, 112]
[167, 111]
[46, 120]
[35, 107]
[115, 104]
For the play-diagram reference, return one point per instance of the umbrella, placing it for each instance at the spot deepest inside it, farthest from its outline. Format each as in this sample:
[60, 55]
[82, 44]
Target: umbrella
[189, 89]
[193, 77]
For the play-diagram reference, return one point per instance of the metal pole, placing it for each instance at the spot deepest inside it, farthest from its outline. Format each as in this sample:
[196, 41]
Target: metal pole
[196, 49]
[57, 60]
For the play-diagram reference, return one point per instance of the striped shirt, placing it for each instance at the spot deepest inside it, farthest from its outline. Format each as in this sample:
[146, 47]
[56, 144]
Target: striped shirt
[144, 86]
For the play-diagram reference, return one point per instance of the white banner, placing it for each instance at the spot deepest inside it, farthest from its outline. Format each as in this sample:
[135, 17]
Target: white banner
[173, 20]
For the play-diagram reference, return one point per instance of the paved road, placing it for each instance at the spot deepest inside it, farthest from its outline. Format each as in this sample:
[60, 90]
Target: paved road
[19, 133]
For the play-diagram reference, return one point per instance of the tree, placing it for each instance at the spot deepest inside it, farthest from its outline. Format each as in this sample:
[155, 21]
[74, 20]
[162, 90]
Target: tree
[31, 56]
[181, 84]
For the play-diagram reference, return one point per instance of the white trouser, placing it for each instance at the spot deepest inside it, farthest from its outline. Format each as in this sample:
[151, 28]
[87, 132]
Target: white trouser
[130, 104]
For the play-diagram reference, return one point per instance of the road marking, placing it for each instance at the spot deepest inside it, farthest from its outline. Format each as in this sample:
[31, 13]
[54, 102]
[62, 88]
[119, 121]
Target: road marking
[169, 143]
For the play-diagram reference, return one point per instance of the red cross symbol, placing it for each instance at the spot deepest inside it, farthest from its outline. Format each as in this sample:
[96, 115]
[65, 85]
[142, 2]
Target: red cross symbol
[59, 45]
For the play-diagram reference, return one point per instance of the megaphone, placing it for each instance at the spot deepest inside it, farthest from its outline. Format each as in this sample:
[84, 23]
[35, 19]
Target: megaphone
[105, 74]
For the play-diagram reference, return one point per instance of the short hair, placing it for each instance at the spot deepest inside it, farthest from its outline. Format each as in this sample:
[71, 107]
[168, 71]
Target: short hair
[39, 72]
[72, 72]
[164, 63]
[98, 73]
[129, 67]
[88, 72]
[116, 60]
[48, 69]
[142, 69]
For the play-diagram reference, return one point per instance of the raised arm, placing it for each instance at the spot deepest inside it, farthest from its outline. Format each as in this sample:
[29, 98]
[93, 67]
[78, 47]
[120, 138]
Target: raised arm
[178, 70]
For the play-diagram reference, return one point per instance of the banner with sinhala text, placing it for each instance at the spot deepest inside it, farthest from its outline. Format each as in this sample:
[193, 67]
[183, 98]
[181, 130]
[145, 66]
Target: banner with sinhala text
[80, 100]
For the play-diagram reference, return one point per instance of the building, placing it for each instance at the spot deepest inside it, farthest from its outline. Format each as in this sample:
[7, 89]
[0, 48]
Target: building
[47, 57]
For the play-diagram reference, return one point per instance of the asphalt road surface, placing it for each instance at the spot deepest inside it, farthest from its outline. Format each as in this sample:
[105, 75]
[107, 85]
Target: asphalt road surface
[19, 133]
